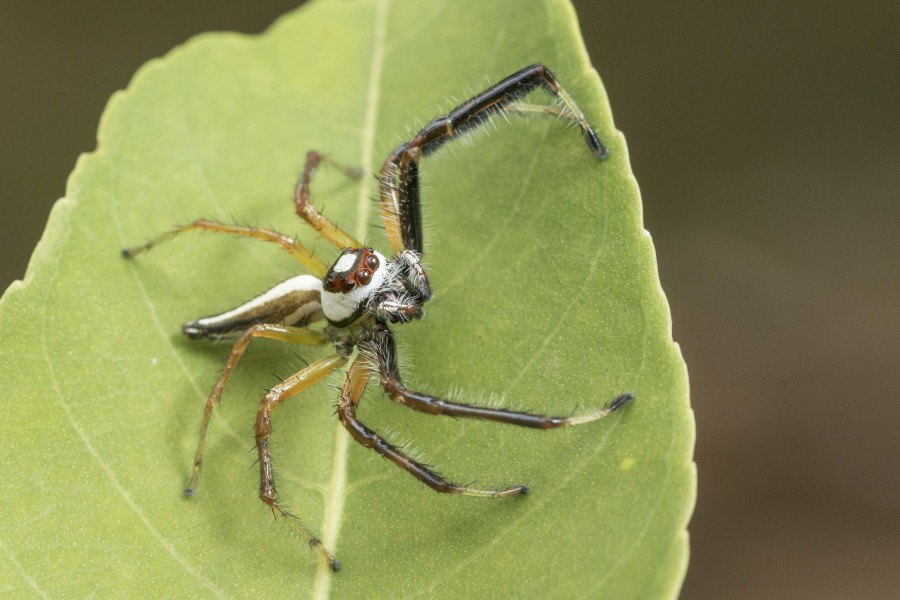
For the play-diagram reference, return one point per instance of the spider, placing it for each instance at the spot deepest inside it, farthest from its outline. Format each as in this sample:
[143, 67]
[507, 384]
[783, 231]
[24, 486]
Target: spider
[363, 293]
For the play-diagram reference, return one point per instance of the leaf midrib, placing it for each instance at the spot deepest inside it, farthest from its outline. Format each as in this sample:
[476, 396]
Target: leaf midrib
[337, 487]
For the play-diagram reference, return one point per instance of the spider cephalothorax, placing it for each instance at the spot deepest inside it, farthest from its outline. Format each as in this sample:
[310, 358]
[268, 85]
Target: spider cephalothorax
[363, 292]
[362, 281]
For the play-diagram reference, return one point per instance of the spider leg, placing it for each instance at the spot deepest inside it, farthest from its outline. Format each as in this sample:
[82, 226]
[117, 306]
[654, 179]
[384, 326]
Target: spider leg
[281, 333]
[399, 178]
[324, 226]
[291, 386]
[297, 250]
[383, 343]
[529, 108]
[354, 385]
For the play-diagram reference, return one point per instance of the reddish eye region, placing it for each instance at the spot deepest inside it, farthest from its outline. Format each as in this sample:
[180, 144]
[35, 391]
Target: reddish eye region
[355, 267]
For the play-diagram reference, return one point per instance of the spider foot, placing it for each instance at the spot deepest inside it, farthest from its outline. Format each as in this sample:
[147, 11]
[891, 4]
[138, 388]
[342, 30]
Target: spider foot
[191, 488]
[132, 252]
[614, 405]
[619, 401]
[316, 544]
[518, 490]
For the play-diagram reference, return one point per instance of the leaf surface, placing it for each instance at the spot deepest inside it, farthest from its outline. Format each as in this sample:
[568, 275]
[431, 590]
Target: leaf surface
[547, 298]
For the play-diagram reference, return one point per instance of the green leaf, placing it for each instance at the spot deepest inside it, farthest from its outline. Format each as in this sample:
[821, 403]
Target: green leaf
[547, 296]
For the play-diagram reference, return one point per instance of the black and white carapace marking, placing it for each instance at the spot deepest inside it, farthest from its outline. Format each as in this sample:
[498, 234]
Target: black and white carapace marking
[360, 274]
[364, 292]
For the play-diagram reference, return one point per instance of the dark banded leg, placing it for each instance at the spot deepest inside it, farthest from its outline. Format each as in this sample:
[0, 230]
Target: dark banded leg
[324, 226]
[295, 248]
[291, 386]
[354, 385]
[383, 340]
[399, 177]
[281, 333]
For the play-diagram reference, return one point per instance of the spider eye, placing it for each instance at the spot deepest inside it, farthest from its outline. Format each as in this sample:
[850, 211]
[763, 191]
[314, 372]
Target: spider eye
[350, 284]
[372, 262]
[329, 283]
[364, 277]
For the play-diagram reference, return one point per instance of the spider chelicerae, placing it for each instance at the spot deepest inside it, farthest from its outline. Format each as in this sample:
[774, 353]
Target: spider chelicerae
[363, 293]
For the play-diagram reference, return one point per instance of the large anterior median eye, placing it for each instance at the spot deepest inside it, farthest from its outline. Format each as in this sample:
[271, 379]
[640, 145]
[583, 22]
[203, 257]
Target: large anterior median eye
[364, 276]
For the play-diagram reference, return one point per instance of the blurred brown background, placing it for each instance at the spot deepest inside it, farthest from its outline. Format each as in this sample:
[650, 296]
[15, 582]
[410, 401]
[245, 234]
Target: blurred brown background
[765, 138]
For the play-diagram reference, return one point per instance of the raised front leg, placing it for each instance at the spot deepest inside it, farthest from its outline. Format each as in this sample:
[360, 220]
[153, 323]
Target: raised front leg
[399, 179]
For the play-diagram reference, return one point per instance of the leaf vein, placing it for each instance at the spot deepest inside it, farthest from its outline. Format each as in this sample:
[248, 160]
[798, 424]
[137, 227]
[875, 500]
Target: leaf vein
[107, 470]
[25, 575]
[334, 500]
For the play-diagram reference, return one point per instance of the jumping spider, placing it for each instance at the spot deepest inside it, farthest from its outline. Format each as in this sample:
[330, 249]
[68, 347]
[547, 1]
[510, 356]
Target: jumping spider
[363, 292]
